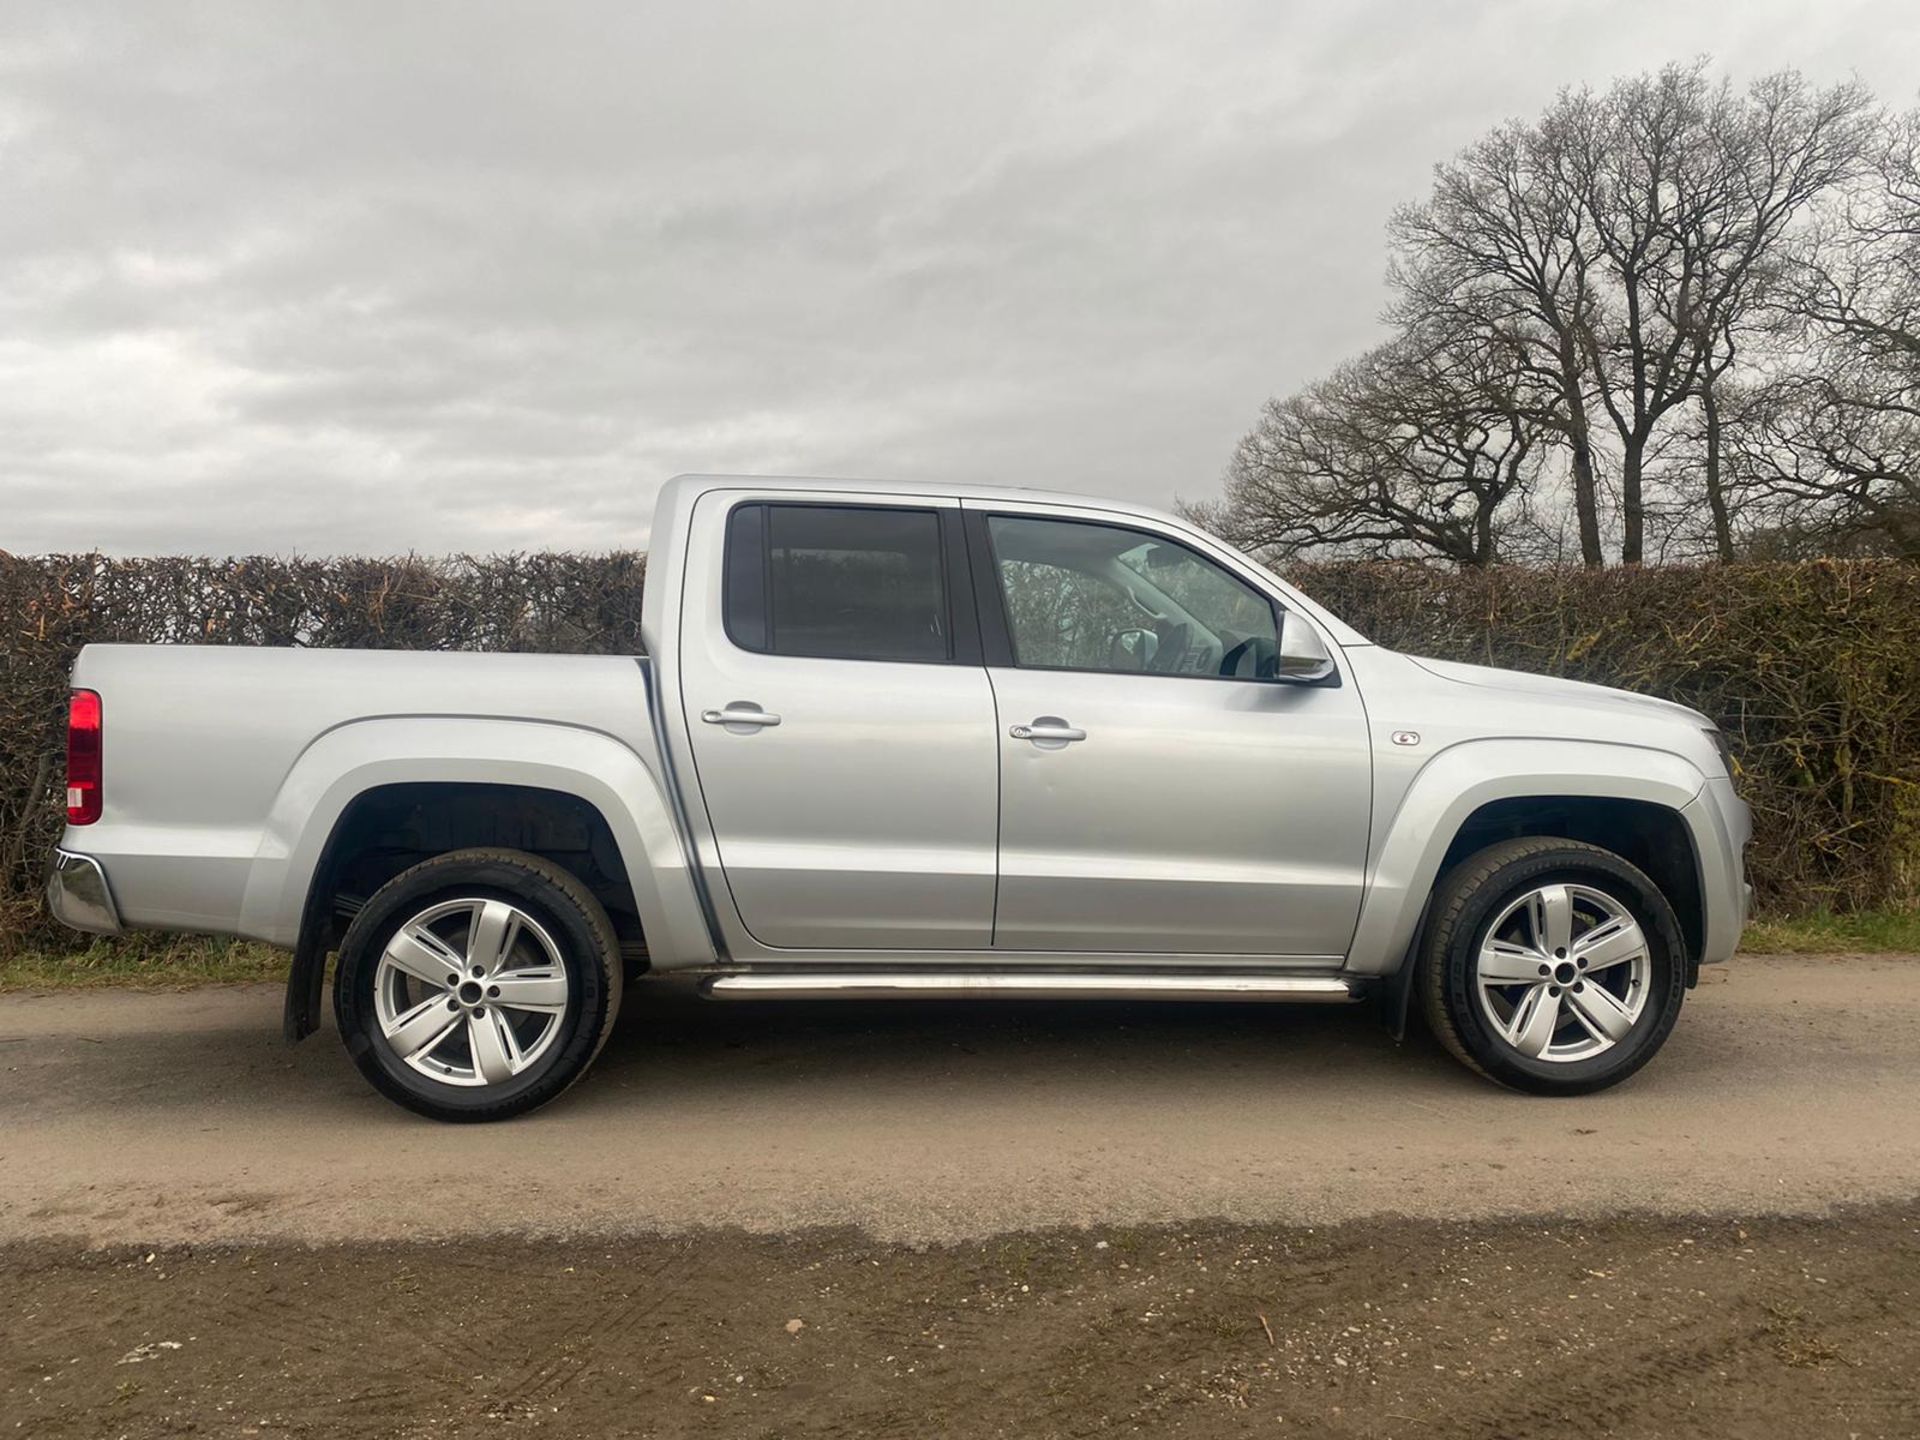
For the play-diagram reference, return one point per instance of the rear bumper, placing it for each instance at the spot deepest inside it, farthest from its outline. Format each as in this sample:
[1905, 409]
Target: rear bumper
[79, 896]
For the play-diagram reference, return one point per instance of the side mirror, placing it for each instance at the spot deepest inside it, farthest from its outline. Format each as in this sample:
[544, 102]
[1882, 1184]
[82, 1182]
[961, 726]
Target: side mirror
[1303, 657]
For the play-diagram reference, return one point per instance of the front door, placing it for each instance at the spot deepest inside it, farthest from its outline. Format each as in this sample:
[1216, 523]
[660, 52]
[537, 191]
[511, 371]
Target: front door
[842, 724]
[1159, 791]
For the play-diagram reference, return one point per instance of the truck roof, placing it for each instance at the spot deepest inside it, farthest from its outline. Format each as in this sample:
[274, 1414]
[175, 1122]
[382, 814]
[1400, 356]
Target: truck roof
[959, 489]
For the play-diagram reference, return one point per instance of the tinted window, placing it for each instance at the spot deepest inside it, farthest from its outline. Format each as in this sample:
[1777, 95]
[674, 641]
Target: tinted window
[1100, 597]
[746, 604]
[836, 582]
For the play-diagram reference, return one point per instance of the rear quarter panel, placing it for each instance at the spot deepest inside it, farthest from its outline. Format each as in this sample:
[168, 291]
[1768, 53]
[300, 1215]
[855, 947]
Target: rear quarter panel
[225, 768]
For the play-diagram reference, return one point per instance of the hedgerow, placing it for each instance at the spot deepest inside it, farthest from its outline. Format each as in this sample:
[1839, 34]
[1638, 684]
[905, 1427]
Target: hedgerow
[1812, 669]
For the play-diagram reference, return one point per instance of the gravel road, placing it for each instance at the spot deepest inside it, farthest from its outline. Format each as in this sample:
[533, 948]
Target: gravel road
[1791, 1085]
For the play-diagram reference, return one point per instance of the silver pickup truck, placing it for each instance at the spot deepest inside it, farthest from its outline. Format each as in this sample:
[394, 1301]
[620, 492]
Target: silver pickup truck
[892, 740]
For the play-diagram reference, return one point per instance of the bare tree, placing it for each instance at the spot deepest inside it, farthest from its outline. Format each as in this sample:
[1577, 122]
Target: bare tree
[1417, 448]
[1501, 250]
[1832, 445]
[1623, 242]
[1834, 462]
[1713, 381]
[1863, 284]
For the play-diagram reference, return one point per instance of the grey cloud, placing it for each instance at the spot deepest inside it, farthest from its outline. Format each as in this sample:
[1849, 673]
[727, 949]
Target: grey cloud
[360, 277]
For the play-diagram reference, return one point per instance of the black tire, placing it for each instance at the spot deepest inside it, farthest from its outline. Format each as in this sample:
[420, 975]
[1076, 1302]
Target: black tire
[1468, 901]
[581, 933]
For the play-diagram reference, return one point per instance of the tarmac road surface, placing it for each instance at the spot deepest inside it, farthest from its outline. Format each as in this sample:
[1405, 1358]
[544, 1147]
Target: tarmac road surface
[1792, 1085]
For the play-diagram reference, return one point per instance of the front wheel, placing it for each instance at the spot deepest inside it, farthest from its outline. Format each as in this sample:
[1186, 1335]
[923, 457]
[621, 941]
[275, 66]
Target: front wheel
[1552, 966]
[478, 985]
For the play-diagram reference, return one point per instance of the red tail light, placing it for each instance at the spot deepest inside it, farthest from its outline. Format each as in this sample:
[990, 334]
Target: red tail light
[83, 757]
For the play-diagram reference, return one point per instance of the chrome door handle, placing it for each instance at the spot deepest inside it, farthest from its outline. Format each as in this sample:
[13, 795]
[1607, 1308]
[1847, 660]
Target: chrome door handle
[740, 712]
[1047, 727]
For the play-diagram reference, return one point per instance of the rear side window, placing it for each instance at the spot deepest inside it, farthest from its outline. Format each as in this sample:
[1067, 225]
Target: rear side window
[836, 582]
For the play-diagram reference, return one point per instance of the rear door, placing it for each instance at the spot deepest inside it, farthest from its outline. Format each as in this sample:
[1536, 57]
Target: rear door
[1160, 791]
[843, 728]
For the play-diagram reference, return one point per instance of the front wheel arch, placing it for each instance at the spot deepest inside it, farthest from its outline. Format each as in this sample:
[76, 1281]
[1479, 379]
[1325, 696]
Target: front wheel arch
[1465, 780]
[1650, 836]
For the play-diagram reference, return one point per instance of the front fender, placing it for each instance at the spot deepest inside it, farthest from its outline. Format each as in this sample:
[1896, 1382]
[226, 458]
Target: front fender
[1461, 779]
[351, 759]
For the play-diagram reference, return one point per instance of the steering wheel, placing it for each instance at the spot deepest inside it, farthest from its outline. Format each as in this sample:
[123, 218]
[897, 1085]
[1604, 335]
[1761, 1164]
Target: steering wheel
[1173, 646]
[1262, 651]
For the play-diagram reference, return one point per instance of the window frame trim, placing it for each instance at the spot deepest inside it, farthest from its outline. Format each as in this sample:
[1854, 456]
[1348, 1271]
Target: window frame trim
[956, 580]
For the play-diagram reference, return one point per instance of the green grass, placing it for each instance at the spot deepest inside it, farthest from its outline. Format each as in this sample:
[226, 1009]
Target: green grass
[178, 962]
[144, 962]
[1870, 932]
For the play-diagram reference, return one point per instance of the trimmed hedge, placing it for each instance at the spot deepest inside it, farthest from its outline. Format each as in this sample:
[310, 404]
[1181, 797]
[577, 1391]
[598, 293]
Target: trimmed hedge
[1813, 669]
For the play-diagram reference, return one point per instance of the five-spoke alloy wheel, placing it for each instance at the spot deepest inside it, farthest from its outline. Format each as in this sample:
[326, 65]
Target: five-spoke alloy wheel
[471, 991]
[478, 984]
[1562, 973]
[1551, 966]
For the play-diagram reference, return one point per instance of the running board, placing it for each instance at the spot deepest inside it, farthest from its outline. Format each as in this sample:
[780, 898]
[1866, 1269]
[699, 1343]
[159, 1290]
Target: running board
[1026, 985]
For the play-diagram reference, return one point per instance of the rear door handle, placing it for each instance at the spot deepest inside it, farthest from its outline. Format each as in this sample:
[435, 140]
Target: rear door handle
[1047, 728]
[741, 712]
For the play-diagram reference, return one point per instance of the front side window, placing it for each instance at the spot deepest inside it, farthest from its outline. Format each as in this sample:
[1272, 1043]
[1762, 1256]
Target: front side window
[836, 582]
[1099, 597]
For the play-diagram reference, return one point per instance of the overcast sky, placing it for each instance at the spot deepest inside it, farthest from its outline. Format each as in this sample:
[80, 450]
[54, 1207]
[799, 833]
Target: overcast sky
[391, 276]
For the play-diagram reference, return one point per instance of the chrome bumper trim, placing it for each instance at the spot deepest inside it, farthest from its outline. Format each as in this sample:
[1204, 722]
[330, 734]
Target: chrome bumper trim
[1033, 985]
[78, 894]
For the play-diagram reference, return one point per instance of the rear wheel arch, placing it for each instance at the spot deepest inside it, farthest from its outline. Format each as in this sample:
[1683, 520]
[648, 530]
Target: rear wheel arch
[387, 829]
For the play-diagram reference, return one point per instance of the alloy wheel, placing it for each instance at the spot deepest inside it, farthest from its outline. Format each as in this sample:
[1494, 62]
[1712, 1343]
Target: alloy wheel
[1563, 973]
[471, 992]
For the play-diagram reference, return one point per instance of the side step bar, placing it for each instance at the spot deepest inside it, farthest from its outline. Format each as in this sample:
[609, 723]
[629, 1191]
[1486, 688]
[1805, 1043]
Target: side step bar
[1025, 985]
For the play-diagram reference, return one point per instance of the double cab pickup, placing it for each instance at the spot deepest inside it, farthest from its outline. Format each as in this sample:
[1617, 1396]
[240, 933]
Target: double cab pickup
[911, 741]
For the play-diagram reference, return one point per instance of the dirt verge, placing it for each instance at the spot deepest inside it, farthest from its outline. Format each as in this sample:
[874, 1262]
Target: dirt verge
[1642, 1327]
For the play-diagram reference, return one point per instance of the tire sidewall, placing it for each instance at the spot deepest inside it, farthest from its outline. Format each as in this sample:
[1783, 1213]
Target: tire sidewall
[573, 931]
[1666, 985]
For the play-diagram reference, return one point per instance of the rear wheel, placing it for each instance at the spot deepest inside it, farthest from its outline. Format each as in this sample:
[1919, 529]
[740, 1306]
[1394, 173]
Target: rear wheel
[478, 985]
[1552, 966]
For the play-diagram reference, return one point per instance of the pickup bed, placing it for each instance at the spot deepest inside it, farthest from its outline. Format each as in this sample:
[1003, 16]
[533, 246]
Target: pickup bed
[893, 740]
